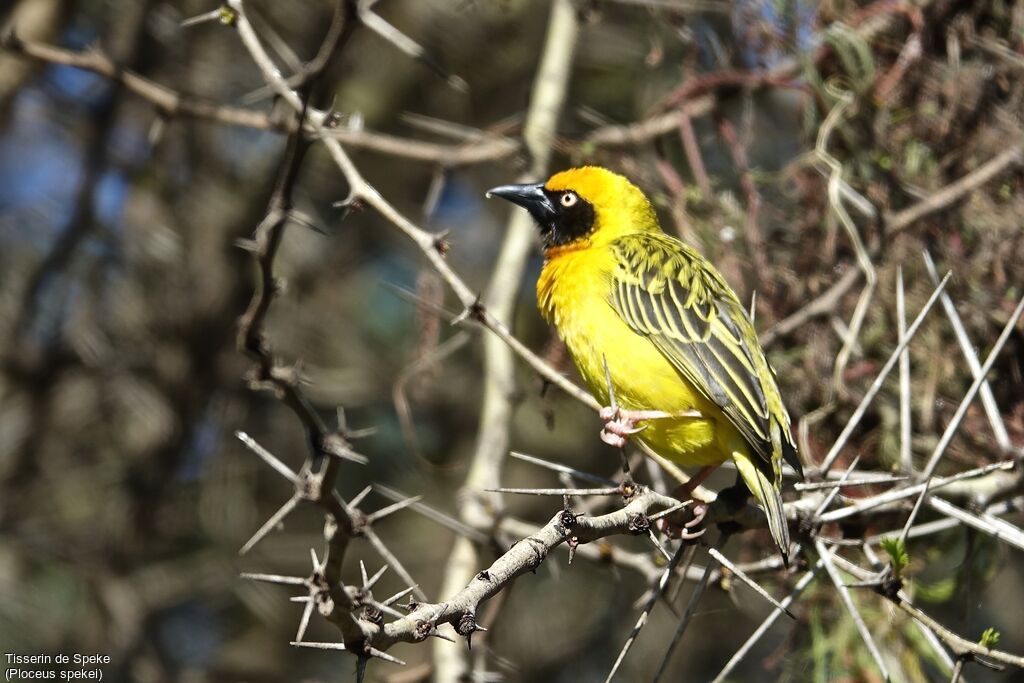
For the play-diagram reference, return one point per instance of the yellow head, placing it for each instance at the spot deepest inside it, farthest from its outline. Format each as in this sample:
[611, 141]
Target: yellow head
[581, 207]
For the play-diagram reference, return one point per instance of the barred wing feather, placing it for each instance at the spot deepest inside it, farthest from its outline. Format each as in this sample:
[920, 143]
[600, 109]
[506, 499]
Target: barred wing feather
[670, 294]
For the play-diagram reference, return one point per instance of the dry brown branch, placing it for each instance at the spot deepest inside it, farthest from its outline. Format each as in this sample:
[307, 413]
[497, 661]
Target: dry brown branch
[832, 515]
[963, 649]
[167, 101]
[646, 130]
[955, 191]
[327, 447]
[751, 226]
[897, 222]
[693, 155]
[499, 393]
[704, 83]
[525, 556]
[460, 609]
[170, 103]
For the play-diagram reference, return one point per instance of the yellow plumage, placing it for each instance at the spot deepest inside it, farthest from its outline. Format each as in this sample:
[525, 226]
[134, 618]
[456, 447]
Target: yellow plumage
[572, 294]
[672, 332]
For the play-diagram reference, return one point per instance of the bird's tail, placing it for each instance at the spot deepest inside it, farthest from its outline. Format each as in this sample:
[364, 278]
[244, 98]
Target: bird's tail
[768, 495]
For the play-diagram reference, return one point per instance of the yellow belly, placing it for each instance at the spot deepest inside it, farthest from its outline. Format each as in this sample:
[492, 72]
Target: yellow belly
[643, 379]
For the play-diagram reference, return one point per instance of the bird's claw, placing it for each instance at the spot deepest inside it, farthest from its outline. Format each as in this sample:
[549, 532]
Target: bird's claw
[619, 425]
[685, 531]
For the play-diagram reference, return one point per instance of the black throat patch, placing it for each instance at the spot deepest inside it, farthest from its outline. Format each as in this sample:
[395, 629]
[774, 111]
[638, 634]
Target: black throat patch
[569, 224]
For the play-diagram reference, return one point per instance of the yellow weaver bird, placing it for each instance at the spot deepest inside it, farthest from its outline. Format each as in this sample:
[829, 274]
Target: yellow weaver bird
[682, 356]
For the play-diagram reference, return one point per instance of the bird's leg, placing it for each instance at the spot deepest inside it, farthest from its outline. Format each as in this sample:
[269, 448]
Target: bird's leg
[682, 524]
[620, 424]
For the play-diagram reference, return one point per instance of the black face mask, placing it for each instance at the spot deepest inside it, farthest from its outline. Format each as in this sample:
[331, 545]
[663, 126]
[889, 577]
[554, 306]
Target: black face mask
[560, 222]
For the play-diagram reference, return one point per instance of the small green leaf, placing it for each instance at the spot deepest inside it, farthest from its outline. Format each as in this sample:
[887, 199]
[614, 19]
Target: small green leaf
[989, 639]
[897, 552]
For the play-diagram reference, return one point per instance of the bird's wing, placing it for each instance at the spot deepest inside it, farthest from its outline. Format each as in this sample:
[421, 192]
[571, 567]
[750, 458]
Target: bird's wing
[669, 293]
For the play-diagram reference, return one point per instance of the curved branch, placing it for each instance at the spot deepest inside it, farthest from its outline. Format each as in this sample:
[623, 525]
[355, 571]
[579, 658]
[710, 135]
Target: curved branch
[523, 557]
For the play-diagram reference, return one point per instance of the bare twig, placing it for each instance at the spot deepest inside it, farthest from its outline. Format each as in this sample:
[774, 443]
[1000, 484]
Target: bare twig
[546, 101]
[565, 469]
[744, 649]
[887, 498]
[742, 576]
[827, 558]
[826, 302]
[655, 593]
[523, 557]
[835, 198]
[693, 155]
[960, 646]
[961, 411]
[906, 428]
[882, 374]
[987, 399]
[751, 224]
[691, 608]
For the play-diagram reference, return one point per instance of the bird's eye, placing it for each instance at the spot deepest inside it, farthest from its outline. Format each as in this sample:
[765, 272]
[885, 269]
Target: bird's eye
[569, 199]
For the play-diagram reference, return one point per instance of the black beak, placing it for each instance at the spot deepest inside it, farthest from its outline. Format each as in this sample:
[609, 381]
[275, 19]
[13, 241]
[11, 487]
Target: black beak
[531, 197]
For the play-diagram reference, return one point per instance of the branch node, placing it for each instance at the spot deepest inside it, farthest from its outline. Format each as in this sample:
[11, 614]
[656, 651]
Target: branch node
[331, 528]
[638, 524]
[332, 119]
[334, 444]
[441, 244]
[227, 16]
[351, 204]
[372, 615]
[287, 375]
[324, 603]
[360, 523]
[466, 625]
[568, 518]
[422, 630]
[890, 586]
[475, 312]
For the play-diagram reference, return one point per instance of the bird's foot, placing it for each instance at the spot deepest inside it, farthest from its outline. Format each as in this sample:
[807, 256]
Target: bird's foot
[685, 523]
[620, 424]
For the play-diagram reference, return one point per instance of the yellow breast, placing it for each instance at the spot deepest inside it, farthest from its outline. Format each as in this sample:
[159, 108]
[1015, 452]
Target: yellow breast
[572, 293]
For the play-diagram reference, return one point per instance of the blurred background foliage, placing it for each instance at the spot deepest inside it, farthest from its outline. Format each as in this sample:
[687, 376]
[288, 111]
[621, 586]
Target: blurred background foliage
[125, 494]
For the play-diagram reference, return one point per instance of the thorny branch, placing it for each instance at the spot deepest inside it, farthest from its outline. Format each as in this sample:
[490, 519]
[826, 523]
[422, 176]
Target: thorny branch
[373, 634]
[499, 380]
[895, 223]
[359, 616]
[170, 104]
[525, 556]
[327, 447]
